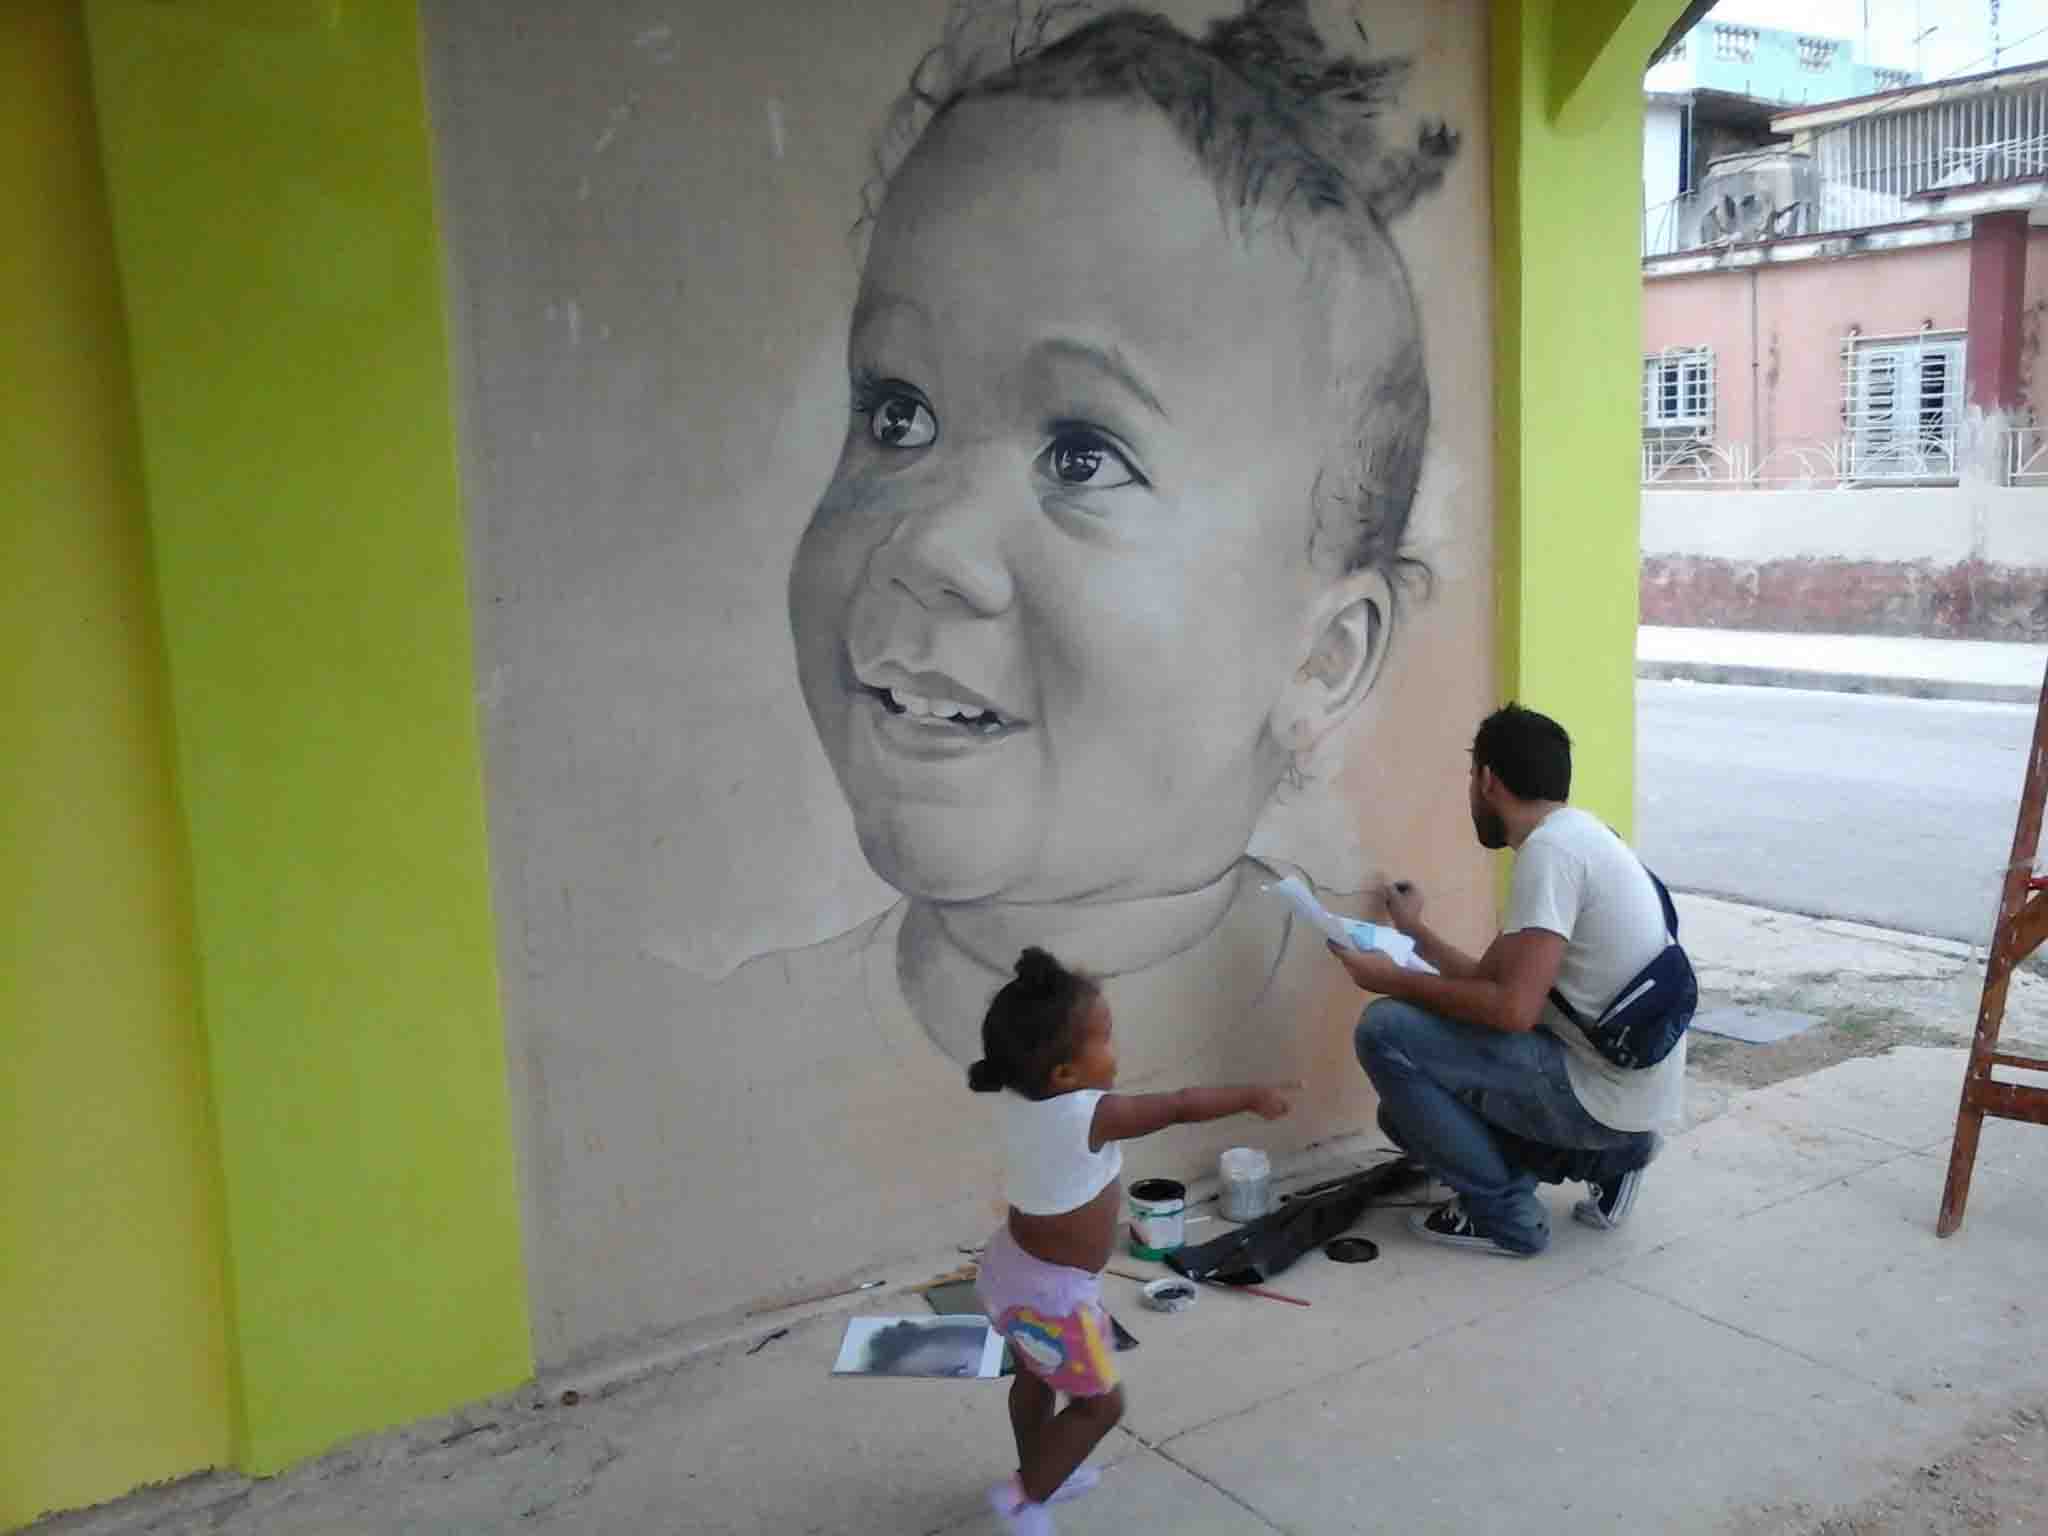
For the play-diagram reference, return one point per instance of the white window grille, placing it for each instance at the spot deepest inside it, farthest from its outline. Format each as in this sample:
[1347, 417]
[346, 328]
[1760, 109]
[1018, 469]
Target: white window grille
[1869, 168]
[2026, 456]
[1816, 54]
[1678, 391]
[1734, 45]
[1902, 405]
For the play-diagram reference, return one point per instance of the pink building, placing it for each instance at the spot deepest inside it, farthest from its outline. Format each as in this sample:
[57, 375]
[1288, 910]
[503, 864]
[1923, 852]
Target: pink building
[1777, 355]
[1855, 334]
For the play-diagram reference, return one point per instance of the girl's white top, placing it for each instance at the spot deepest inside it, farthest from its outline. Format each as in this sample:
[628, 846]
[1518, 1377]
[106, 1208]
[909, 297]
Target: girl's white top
[1048, 1168]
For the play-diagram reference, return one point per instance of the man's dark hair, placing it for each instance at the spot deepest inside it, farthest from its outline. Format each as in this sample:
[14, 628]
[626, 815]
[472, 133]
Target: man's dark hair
[1528, 752]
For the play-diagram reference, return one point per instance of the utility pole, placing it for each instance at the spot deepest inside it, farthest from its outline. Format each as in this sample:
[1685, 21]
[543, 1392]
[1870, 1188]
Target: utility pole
[1994, 33]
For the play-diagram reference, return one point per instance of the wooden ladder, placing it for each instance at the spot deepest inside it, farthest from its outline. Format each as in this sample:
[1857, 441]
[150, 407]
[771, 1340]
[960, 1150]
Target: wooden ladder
[2022, 928]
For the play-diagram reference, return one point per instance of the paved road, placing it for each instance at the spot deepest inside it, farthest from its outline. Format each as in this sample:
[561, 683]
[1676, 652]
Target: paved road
[1897, 812]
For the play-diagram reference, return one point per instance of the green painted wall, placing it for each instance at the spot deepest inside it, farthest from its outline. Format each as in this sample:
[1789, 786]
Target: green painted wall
[1567, 208]
[113, 1352]
[272, 197]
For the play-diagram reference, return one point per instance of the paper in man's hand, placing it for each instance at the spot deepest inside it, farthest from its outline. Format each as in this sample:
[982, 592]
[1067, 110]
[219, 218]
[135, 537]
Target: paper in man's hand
[1350, 932]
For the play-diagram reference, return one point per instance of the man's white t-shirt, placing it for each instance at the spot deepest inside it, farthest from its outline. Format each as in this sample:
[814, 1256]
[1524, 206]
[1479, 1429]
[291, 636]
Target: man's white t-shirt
[1574, 878]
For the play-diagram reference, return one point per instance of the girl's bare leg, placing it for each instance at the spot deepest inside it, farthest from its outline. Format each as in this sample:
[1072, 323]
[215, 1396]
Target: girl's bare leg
[1031, 1409]
[1064, 1442]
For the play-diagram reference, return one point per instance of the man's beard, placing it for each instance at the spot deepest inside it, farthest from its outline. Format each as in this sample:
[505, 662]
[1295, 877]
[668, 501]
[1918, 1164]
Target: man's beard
[1489, 828]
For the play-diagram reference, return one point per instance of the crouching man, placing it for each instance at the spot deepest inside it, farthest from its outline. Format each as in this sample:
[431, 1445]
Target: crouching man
[1559, 1053]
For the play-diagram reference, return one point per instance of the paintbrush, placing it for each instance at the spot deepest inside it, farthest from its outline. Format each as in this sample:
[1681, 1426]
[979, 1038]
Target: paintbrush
[1260, 1290]
[805, 1301]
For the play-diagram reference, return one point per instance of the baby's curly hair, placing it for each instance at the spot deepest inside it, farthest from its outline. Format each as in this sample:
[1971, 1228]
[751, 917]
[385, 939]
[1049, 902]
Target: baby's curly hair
[1289, 133]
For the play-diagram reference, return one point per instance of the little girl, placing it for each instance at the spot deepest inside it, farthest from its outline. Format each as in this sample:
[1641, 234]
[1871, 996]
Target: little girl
[1047, 1040]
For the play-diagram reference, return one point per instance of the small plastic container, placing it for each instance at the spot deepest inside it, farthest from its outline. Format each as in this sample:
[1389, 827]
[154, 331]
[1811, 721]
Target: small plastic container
[1247, 1175]
[1169, 1293]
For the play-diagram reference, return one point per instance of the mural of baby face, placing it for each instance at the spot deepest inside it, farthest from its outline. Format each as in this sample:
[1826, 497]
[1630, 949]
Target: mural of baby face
[1056, 618]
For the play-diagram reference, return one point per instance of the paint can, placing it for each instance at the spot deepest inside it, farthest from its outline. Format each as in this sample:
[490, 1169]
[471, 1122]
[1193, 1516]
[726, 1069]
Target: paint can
[1158, 1217]
[1247, 1175]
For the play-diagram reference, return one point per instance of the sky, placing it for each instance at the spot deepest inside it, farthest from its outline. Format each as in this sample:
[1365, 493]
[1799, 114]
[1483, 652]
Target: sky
[1959, 44]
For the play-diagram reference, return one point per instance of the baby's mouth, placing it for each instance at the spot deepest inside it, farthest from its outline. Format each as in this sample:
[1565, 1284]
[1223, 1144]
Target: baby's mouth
[941, 713]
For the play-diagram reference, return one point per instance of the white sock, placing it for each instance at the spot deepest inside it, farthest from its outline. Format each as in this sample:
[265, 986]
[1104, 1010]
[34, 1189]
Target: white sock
[1019, 1515]
[1078, 1482]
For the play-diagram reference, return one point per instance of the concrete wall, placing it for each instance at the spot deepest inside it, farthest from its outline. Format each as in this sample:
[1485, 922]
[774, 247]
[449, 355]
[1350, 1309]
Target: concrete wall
[741, 988]
[1965, 562]
[1663, 136]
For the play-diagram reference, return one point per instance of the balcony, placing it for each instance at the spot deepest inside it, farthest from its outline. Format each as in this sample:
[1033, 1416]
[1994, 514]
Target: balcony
[1907, 156]
[1874, 169]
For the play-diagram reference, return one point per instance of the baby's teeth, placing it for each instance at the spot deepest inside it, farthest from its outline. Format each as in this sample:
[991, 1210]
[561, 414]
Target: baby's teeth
[945, 711]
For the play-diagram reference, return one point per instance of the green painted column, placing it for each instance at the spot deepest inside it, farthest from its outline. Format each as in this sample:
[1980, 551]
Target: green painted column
[1567, 213]
[269, 172]
[112, 1345]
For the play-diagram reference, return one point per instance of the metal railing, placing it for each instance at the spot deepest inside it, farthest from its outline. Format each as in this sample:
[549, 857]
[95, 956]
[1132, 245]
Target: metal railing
[1870, 167]
[2025, 460]
[2020, 458]
[1668, 227]
[1842, 463]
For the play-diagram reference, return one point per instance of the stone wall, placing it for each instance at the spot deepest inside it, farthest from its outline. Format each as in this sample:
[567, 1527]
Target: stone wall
[1953, 562]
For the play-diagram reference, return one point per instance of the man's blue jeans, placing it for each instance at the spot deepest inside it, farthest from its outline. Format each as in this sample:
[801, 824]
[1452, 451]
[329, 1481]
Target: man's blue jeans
[1491, 1114]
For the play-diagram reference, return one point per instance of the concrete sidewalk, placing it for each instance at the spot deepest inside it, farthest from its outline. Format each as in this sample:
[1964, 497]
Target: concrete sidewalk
[1775, 1335]
[1927, 669]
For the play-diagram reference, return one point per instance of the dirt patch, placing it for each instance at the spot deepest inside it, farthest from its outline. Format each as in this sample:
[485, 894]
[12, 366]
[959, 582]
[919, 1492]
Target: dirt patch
[1996, 1479]
[1841, 1035]
[1881, 1000]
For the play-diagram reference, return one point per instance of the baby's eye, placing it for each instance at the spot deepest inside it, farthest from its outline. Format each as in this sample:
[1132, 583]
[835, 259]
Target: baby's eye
[1084, 459]
[902, 421]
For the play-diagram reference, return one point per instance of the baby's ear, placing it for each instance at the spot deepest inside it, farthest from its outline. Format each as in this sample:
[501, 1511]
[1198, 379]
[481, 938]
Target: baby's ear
[1347, 644]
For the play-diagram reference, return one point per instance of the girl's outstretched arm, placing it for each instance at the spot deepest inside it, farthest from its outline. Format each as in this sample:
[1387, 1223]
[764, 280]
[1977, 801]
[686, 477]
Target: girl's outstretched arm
[1127, 1116]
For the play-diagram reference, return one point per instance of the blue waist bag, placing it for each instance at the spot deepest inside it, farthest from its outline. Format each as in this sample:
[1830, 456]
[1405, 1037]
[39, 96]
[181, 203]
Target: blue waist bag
[1645, 1021]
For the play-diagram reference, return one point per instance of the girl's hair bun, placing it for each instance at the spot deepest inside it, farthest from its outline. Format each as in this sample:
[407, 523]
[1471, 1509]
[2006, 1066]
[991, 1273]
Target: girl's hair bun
[985, 1077]
[1031, 1026]
[1036, 968]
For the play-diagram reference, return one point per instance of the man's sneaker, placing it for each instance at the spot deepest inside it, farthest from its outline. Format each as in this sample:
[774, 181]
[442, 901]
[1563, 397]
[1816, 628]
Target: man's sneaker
[1607, 1203]
[1449, 1224]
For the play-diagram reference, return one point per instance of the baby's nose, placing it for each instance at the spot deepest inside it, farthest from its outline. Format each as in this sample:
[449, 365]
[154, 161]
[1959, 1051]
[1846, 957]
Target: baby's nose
[946, 549]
